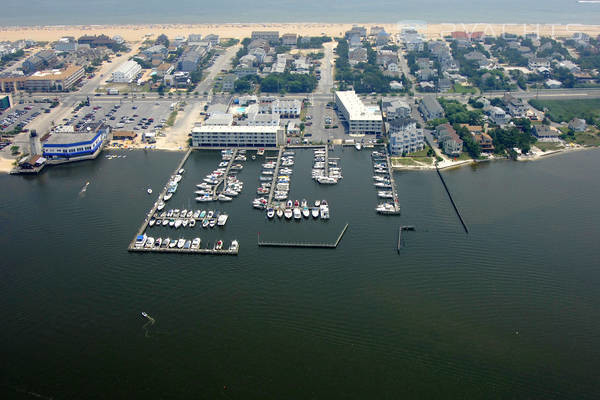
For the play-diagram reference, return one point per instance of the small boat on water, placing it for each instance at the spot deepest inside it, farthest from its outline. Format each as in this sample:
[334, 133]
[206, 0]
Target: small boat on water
[270, 213]
[219, 245]
[315, 212]
[145, 315]
[205, 223]
[234, 245]
[187, 244]
[185, 222]
[222, 197]
[279, 212]
[180, 243]
[149, 191]
[160, 206]
[166, 243]
[165, 222]
[212, 222]
[196, 243]
[167, 196]
[172, 223]
[358, 146]
[181, 171]
[222, 219]
[192, 223]
[288, 213]
[297, 213]
[178, 223]
[173, 243]
[305, 212]
[152, 222]
[158, 242]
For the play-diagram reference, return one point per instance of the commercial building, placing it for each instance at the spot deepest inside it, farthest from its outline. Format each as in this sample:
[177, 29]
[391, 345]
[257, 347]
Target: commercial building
[126, 72]
[405, 137]
[62, 147]
[44, 81]
[359, 118]
[42, 59]
[219, 119]
[235, 136]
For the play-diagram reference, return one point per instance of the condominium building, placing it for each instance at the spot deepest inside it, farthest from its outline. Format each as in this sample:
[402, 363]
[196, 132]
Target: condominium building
[359, 118]
[286, 108]
[235, 136]
[405, 137]
[126, 72]
[270, 36]
[44, 81]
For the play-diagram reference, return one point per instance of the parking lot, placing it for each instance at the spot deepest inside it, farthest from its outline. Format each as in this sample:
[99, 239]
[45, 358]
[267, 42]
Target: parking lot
[123, 115]
[21, 115]
[321, 117]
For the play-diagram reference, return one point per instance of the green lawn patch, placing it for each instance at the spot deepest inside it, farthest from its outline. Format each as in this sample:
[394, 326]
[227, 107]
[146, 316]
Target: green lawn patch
[566, 110]
[403, 161]
[548, 146]
[171, 119]
[458, 88]
[587, 139]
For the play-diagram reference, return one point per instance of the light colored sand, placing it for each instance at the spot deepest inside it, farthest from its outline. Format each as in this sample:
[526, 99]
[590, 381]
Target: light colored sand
[135, 33]
[6, 164]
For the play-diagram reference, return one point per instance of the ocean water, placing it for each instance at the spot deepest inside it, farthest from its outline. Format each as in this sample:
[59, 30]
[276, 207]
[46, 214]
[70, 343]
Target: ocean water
[507, 311]
[74, 12]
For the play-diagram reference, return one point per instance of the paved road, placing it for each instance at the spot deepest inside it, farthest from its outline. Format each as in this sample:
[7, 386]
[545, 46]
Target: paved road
[326, 83]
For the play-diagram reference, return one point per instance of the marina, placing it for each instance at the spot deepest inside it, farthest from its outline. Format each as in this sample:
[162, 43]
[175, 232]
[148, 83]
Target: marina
[384, 183]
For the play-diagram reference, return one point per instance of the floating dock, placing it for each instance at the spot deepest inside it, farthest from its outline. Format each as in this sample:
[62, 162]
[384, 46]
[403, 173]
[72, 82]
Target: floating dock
[304, 244]
[400, 229]
[393, 184]
[225, 252]
[215, 189]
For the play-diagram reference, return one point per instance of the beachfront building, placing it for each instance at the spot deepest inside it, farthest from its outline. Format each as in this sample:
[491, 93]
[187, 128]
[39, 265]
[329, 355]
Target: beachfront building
[545, 133]
[359, 118]
[44, 81]
[286, 108]
[60, 147]
[66, 44]
[405, 137]
[126, 72]
[269, 36]
[235, 136]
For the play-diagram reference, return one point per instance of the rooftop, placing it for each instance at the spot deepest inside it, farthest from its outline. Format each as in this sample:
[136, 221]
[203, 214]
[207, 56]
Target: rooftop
[234, 129]
[356, 108]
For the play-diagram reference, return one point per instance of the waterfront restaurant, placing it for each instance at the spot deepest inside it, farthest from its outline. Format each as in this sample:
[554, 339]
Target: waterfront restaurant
[74, 146]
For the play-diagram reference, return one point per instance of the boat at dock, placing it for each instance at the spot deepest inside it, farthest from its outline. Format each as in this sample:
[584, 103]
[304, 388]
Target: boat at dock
[315, 212]
[222, 219]
[297, 213]
[219, 245]
[180, 243]
[279, 212]
[196, 243]
[234, 246]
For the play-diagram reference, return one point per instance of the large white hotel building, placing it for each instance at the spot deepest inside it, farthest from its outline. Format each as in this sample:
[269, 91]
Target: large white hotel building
[360, 119]
[235, 136]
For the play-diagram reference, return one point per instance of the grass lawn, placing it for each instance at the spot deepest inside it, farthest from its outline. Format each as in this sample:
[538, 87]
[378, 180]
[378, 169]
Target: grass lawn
[403, 161]
[566, 110]
[171, 119]
[458, 88]
[587, 139]
[424, 160]
[421, 153]
[548, 146]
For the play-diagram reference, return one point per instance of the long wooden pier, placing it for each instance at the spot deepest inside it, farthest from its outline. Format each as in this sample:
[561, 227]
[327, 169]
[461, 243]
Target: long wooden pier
[305, 244]
[160, 197]
[275, 175]
[400, 229]
[452, 200]
[215, 189]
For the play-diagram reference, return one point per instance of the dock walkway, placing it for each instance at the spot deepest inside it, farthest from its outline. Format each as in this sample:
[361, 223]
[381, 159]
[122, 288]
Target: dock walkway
[393, 184]
[275, 175]
[304, 244]
[215, 189]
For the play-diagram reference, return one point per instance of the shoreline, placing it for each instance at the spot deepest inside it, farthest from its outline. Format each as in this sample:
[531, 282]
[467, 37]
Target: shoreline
[137, 32]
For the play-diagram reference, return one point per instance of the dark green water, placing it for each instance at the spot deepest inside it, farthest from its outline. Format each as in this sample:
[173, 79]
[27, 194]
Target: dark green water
[511, 310]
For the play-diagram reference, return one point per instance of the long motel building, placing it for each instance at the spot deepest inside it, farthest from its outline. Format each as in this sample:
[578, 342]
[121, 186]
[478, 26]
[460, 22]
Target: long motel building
[236, 136]
[360, 119]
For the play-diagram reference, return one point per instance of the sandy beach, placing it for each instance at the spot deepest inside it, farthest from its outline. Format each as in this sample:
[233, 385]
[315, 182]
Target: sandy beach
[134, 33]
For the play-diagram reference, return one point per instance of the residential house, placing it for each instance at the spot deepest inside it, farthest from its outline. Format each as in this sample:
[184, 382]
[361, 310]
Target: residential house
[545, 133]
[357, 55]
[430, 108]
[578, 125]
[66, 44]
[498, 116]
[537, 62]
[553, 84]
[481, 60]
[269, 36]
[228, 83]
[212, 39]
[516, 107]
[395, 108]
[453, 145]
[164, 69]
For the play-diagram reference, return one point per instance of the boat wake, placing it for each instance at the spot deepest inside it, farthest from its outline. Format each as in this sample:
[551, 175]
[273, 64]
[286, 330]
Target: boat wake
[151, 321]
[84, 188]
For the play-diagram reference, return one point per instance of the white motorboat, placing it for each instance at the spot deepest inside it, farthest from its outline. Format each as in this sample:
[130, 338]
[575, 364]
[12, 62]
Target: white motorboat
[184, 223]
[358, 146]
[149, 191]
[178, 223]
[305, 212]
[205, 223]
[167, 196]
[315, 212]
[173, 243]
[196, 243]
[166, 242]
[222, 219]
[165, 222]
[192, 223]
[297, 213]
[160, 206]
[219, 245]
[180, 243]
[158, 242]
[327, 180]
[279, 212]
[234, 245]
[152, 222]
[288, 213]
[140, 241]
[172, 223]
[270, 213]
[149, 243]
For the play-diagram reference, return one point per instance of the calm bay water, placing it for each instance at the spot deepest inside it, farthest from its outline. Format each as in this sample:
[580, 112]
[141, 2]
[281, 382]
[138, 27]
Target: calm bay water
[74, 12]
[508, 311]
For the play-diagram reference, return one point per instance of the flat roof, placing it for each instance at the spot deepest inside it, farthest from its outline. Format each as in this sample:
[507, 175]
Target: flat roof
[71, 138]
[356, 108]
[54, 74]
[235, 129]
